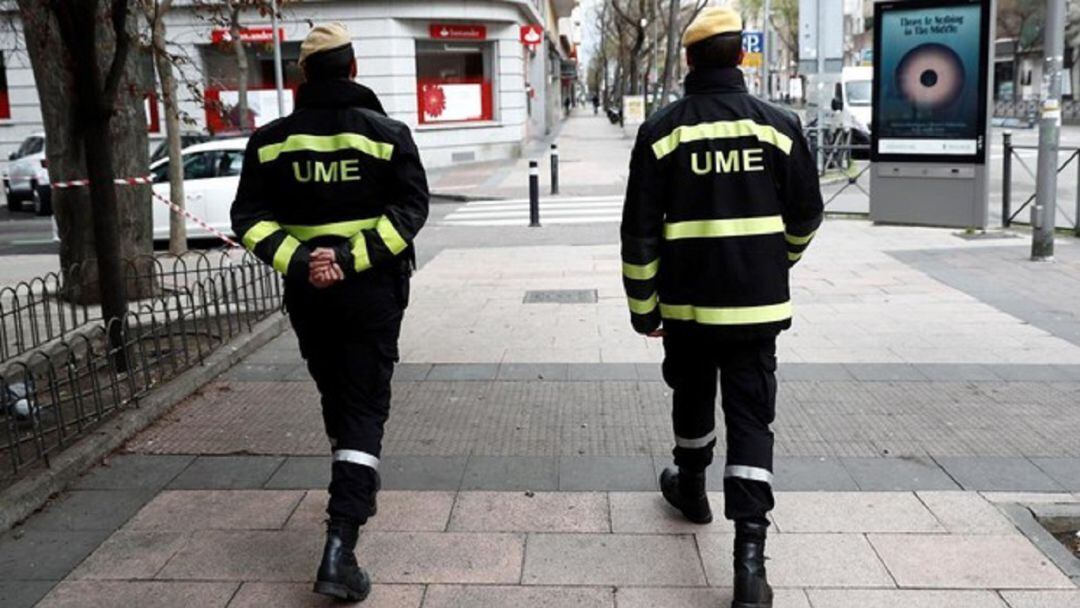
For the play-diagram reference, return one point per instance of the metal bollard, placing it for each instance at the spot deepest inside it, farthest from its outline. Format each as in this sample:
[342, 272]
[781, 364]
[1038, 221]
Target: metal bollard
[554, 168]
[1006, 179]
[534, 194]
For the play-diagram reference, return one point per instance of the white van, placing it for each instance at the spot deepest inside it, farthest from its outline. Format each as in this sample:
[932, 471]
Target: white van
[852, 99]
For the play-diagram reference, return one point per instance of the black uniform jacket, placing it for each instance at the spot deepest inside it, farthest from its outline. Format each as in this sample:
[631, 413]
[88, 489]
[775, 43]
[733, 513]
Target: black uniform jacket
[335, 173]
[723, 198]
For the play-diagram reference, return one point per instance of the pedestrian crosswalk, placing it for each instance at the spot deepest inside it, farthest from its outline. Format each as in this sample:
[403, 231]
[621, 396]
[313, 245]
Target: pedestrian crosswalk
[570, 210]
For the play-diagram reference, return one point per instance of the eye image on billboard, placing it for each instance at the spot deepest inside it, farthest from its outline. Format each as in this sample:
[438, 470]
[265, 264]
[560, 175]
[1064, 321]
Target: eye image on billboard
[930, 80]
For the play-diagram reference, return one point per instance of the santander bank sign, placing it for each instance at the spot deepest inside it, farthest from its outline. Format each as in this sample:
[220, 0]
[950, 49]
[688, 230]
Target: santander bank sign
[457, 31]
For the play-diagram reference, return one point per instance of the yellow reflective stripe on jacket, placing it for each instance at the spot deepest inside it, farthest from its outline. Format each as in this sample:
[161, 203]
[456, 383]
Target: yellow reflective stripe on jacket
[742, 315]
[284, 254]
[343, 229]
[361, 261]
[724, 129]
[747, 226]
[794, 257]
[643, 307]
[258, 232]
[327, 143]
[799, 240]
[641, 272]
[390, 236]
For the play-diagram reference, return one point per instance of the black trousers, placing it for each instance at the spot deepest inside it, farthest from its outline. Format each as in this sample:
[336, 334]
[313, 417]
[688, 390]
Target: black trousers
[349, 336]
[747, 370]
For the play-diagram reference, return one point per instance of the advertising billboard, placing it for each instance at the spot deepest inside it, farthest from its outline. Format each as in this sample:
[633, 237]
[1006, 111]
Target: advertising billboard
[930, 81]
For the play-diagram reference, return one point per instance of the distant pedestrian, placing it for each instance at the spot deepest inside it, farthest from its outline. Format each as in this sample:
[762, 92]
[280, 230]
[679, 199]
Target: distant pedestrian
[566, 103]
[722, 199]
[332, 196]
[595, 104]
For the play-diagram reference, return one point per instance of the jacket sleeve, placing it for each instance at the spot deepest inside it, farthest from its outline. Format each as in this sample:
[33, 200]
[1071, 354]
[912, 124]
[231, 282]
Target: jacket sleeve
[254, 223]
[801, 195]
[642, 233]
[404, 215]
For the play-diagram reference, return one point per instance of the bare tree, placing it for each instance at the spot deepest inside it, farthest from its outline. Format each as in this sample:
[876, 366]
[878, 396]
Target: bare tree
[1022, 21]
[95, 124]
[154, 11]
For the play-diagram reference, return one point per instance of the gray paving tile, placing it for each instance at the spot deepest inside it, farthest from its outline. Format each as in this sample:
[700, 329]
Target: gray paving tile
[533, 371]
[1070, 371]
[998, 474]
[422, 472]
[885, 372]
[1065, 471]
[603, 371]
[808, 372]
[650, 372]
[45, 555]
[959, 372]
[811, 474]
[1031, 373]
[301, 473]
[463, 371]
[297, 374]
[411, 372]
[262, 372]
[283, 354]
[511, 473]
[898, 474]
[23, 594]
[227, 473]
[83, 510]
[607, 473]
[133, 472]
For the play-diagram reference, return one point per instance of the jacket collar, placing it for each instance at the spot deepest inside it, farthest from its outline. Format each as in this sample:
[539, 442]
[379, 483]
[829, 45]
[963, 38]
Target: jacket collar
[715, 80]
[334, 94]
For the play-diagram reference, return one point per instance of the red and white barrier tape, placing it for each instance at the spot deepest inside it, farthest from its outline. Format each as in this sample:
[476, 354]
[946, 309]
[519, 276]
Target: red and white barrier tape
[124, 181]
[138, 181]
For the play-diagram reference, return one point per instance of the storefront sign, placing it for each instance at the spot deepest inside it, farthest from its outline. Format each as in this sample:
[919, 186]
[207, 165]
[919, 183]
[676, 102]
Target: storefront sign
[457, 31]
[442, 101]
[532, 35]
[247, 34]
[633, 109]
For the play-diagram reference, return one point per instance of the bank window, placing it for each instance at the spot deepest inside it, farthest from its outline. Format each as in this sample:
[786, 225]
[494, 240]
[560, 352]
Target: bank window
[454, 82]
[5, 103]
[223, 82]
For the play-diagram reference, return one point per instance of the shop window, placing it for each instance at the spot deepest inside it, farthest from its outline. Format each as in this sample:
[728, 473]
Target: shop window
[454, 82]
[222, 83]
[5, 103]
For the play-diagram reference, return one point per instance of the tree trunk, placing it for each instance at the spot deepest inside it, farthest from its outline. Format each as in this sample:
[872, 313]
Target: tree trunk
[673, 56]
[236, 34]
[103, 224]
[177, 221]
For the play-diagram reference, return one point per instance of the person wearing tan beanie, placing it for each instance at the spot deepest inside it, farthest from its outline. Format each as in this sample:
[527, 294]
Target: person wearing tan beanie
[722, 200]
[332, 197]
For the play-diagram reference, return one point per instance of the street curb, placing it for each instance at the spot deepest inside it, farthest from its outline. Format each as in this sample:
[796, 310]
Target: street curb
[1025, 518]
[27, 495]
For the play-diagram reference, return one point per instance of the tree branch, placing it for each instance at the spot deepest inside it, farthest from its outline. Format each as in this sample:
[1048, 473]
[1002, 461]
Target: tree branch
[123, 47]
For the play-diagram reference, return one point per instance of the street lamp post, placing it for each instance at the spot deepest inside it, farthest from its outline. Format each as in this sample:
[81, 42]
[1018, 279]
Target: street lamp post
[1044, 214]
[279, 79]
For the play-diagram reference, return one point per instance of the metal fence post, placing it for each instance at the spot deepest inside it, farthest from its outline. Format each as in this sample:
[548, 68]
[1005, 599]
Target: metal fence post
[534, 194]
[1006, 180]
[1076, 222]
[554, 168]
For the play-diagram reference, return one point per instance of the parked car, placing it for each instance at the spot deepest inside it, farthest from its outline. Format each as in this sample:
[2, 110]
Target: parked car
[211, 175]
[159, 146]
[27, 176]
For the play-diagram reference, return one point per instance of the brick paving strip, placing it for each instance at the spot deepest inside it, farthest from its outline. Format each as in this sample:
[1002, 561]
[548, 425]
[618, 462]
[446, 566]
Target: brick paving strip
[477, 549]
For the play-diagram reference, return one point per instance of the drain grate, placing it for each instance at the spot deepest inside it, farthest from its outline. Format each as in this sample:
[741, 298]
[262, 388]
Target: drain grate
[561, 296]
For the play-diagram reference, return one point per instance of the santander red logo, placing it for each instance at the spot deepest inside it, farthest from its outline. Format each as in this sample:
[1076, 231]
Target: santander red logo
[457, 31]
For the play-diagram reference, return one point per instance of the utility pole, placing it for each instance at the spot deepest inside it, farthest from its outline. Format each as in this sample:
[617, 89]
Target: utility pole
[1044, 214]
[820, 84]
[765, 48]
[279, 79]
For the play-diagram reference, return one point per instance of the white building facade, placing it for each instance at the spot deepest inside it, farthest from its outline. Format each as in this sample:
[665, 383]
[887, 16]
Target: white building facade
[475, 79]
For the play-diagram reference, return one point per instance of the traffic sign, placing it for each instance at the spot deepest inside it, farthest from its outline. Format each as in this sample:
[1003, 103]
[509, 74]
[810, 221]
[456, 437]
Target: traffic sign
[753, 44]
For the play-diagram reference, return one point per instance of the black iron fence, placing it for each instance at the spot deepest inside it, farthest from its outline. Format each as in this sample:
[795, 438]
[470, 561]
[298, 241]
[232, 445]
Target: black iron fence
[1009, 155]
[843, 163]
[64, 376]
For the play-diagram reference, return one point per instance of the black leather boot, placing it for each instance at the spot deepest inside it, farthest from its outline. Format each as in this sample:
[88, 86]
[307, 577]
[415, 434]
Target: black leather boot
[752, 590]
[339, 575]
[686, 492]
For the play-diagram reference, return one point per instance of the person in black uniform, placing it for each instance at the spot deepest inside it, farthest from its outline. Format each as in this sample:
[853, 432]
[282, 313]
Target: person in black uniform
[332, 196]
[723, 197]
